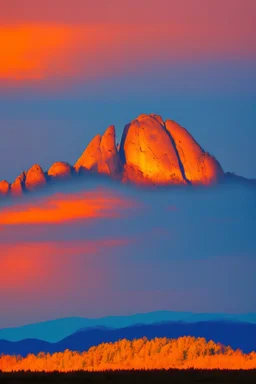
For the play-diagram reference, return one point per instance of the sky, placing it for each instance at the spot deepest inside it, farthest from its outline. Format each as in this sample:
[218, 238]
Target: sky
[99, 249]
[69, 69]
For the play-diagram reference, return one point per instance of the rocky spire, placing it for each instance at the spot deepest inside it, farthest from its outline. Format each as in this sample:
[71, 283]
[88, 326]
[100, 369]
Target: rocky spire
[17, 187]
[151, 152]
[101, 155]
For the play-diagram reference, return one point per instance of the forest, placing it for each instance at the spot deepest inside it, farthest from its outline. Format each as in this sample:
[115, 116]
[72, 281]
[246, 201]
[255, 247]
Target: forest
[140, 354]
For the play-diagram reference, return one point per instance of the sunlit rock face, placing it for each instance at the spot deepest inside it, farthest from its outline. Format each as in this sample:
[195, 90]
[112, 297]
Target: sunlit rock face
[211, 169]
[199, 166]
[35, 178]
[60, 169]
[101, 155]
[4, 188]
[148, 154]
[108, 148]
[17, 187]
[151, 152]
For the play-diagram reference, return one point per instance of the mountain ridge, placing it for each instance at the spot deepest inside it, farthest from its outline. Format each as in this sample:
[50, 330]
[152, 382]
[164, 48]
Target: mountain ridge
[151, 152]
[240, 335]
[58, 329]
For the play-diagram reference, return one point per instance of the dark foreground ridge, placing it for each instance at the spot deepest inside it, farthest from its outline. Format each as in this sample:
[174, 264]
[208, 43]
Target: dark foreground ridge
[157, 377]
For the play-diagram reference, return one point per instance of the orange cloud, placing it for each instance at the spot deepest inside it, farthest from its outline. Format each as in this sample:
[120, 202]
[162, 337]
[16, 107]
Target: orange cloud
[62, 207]
[24, 264]
[34, 53]
[37, 52]
[28, 266]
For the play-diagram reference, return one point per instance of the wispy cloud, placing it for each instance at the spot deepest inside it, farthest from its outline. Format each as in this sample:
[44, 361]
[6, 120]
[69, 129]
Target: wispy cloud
[57, 53]
[62, 207]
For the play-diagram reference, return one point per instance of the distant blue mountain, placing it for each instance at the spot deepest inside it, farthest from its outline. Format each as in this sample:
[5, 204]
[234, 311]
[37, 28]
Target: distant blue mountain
[236, 334]
[56, 330]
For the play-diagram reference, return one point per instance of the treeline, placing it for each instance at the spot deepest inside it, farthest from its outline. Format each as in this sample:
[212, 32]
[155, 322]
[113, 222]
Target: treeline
[159, 353]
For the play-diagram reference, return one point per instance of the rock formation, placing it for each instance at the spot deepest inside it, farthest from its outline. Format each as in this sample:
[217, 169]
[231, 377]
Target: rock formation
[17, 187]
[199, 166]
[4, 188]
[60, 169]
[147, 150]
[152, 152]
[101, 155]
[35, 178]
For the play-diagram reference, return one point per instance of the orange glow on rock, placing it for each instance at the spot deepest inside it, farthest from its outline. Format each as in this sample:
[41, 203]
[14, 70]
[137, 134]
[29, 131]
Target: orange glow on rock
[4, 188]
[211, 169]
[35, 178]
[152, 152]
[17, 187]
[101, 154]
[199, 166]
[147, 151]
[60, 169]
[63, 207]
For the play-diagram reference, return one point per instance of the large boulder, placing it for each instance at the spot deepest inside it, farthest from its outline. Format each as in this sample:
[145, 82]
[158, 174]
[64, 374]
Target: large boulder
[199, 166]
[148, 154]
